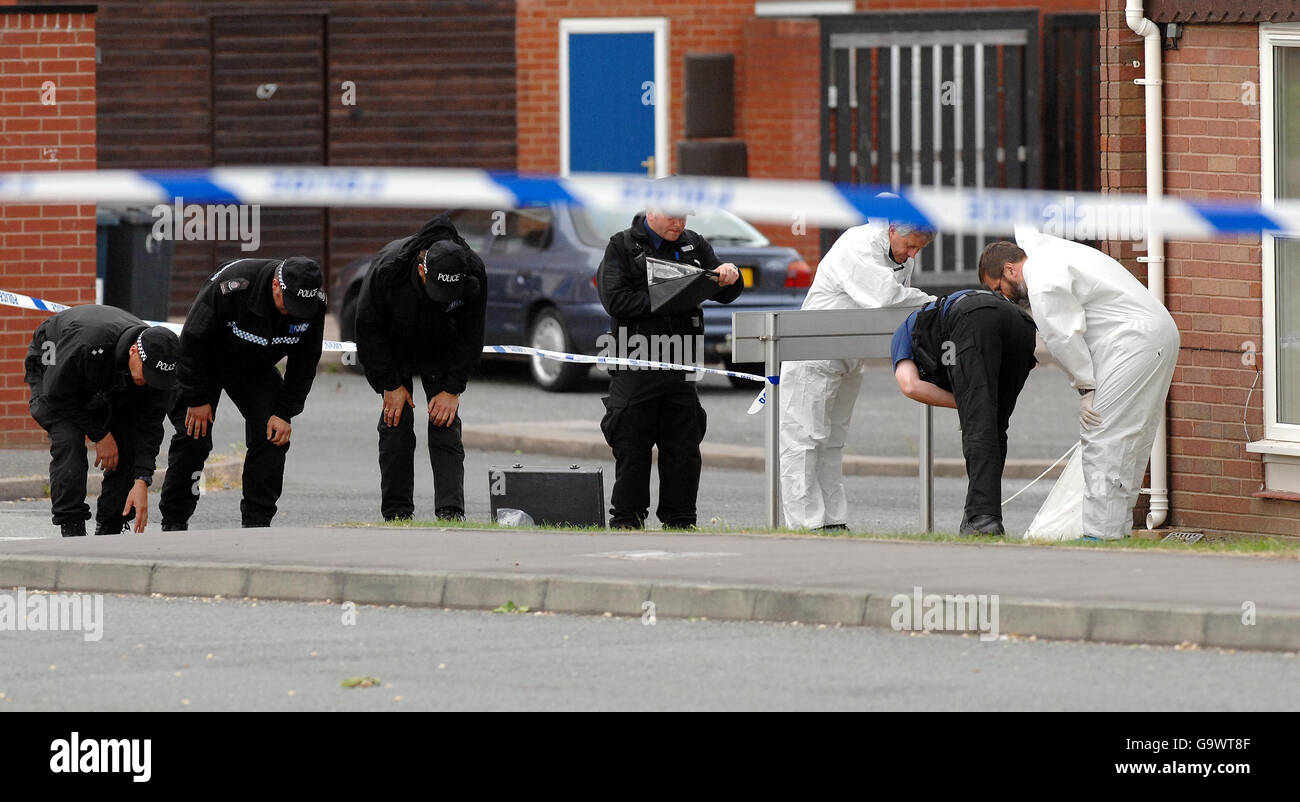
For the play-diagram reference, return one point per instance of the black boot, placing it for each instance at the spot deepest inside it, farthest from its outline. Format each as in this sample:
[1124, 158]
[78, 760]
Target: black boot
[450, 514]
[173, 526]
[114, 528]
[73, 529]
[982, 525]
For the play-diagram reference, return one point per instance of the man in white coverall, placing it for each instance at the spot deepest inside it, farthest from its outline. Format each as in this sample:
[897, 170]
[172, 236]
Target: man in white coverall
[1118, 345]
[868, 267]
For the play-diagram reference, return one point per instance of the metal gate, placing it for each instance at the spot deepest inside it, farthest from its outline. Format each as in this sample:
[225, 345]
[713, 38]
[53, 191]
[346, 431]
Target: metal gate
[940, 99]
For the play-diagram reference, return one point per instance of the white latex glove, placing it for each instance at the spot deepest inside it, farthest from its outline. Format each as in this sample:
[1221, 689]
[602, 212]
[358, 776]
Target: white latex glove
[1087, 415]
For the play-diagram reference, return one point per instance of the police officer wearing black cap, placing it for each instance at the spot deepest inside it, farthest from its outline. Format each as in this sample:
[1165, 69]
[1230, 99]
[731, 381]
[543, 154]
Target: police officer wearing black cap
[101, 373]
[248, 316]
[421, 312]
[648, 408]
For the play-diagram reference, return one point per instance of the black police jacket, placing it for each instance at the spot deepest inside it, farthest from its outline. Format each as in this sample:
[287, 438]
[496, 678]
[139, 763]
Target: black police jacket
[234, 329]
[400, 329]
[83, 373]
[621, 282]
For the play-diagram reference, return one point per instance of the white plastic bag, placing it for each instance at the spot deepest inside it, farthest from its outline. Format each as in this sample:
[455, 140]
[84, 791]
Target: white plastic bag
[1061, 516]
[507, 516]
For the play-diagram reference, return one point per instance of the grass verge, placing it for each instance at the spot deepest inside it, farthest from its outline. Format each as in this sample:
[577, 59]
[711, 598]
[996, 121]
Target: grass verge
[1287, 548]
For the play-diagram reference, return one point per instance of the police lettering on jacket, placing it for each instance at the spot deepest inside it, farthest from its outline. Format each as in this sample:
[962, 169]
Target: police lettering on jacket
[234, 327]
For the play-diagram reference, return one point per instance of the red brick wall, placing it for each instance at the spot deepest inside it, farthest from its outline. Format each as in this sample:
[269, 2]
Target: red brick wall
[1213, 289]
[782, 58]
[46, 251]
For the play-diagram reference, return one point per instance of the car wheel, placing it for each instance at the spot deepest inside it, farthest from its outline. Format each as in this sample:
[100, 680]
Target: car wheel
[755, 368]
[549, 333]
[348, 331]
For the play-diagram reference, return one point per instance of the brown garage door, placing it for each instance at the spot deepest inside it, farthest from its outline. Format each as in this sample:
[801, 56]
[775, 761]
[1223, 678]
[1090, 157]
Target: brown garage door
[268, 107]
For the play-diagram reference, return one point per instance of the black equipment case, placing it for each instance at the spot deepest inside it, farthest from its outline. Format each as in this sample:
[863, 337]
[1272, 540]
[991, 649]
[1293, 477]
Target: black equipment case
[551, 496]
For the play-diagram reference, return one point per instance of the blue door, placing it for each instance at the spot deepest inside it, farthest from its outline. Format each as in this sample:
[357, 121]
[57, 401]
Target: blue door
[611, 102]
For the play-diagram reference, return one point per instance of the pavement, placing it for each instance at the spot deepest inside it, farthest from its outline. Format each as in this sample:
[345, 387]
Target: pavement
[1080, 594]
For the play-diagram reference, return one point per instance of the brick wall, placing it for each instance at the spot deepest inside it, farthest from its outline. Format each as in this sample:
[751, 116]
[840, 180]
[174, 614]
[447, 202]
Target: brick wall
[1213, 289]
[45, 250]
[782, 60]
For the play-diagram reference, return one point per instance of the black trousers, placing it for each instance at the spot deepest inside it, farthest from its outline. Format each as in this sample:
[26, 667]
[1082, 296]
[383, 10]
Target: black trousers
[676, 424]
[397, 461]
[69, 468]
[994, 345]
[252, 394]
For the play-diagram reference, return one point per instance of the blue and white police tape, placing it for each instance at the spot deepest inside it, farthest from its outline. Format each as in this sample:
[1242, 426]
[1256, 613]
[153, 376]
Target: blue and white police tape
[1082, 216]
[754, 408]
[39, 304]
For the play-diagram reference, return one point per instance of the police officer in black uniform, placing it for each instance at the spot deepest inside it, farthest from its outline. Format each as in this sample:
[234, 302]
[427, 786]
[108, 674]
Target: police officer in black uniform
[101, 373]
[971, 350]
[649, 407]
[248, 316]
[421, 312]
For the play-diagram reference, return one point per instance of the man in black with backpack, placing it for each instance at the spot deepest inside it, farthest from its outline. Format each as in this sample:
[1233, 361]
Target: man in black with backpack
[649, 407]
[421, 311]
[247, 317]
[971, 350]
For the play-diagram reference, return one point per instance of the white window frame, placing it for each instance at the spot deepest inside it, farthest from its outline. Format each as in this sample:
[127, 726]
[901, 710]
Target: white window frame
[1271, 35]
[654, 25]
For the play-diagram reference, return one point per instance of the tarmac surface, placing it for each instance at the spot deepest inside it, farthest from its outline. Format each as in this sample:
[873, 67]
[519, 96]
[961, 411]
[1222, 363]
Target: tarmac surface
[165, 654]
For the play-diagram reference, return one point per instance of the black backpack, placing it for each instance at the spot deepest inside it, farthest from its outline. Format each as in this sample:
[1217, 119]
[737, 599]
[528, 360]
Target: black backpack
[928, 345]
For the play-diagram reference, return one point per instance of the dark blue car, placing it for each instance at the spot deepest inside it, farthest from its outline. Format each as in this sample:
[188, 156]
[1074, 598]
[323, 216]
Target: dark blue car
[541, 267]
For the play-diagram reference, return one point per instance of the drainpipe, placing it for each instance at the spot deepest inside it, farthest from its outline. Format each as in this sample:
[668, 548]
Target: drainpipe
[1155, 258]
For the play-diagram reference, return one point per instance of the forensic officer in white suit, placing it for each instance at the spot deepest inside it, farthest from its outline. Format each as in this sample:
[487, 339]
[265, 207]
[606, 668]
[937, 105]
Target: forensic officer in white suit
[1116, 342]
[868, 267]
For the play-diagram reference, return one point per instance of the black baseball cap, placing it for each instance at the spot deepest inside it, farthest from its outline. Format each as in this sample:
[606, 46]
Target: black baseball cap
[159, 349]
[444, 277]
[300, 282]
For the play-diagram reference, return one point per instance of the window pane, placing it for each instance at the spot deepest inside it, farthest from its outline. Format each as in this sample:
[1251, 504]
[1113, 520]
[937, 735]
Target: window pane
[1287, 114]
[1287, 251]
[1287, 271]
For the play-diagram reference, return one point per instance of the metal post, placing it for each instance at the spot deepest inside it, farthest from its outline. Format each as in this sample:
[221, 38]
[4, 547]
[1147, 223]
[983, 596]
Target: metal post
[925, 462]
[772, 367]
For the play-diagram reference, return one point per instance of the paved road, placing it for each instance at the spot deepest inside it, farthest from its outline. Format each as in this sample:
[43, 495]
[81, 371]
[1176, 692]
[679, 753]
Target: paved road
[190, 654]
[324, 487]
[333, 472]
[885, 422]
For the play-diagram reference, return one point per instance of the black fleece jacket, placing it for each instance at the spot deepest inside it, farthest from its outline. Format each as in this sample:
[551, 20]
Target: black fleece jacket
[85, 374]
[400, 329]
[234, 328]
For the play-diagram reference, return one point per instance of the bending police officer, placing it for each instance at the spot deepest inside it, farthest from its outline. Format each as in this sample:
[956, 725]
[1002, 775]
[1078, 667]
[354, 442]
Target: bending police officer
[971, 350]
[247, 317]
[101, 373]
[421, 312]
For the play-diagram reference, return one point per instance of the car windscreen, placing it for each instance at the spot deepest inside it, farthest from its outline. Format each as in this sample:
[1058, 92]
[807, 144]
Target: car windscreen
[721, 228]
